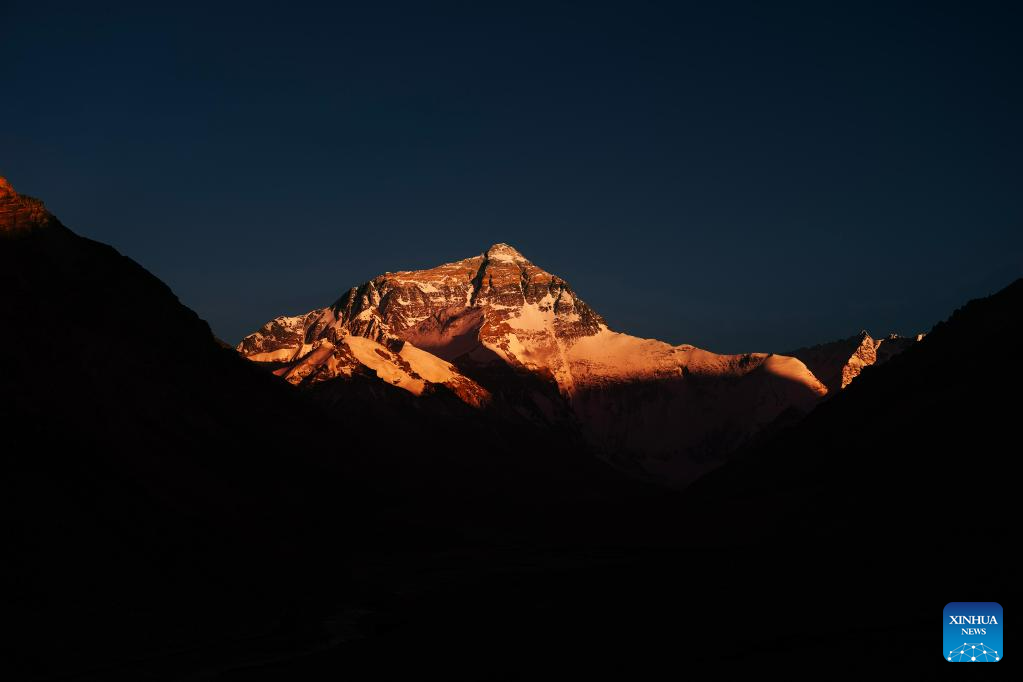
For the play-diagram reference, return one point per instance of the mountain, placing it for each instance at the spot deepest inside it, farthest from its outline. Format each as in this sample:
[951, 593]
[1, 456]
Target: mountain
[495, 329]
[137, 452]
[838, 363]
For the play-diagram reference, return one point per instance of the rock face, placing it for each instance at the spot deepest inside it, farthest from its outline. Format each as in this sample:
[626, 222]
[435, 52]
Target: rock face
[398, 363]
[20, 213]
[838, 363]
[497, 328]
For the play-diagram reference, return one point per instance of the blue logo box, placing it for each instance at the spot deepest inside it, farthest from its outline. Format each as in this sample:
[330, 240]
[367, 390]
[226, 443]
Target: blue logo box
[972, 632]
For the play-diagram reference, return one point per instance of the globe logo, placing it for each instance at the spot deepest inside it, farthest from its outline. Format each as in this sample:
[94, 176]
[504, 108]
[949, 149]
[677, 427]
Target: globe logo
[973, 652]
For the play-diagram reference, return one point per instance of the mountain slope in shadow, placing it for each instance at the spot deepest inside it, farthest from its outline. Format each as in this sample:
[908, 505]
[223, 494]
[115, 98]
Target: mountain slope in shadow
[165, 494]
[939, 417]
[149, 474]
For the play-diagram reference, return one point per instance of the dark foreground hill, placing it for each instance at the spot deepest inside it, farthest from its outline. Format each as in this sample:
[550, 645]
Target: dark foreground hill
[937, 422]
[145, 467]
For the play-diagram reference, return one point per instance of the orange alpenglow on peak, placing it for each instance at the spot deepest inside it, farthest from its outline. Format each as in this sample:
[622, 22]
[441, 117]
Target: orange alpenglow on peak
[18, 212]
[501, 251]
[496, 324]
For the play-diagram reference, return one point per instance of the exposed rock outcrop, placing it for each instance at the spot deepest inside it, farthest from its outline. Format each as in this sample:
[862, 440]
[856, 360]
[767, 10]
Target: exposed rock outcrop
[20, 213]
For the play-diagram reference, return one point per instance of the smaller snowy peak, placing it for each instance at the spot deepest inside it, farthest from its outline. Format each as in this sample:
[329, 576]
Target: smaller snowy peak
[838, 363]
[279, 340]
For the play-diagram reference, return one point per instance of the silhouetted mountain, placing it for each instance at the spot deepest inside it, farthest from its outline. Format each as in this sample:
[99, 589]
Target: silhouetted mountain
[937, 420]
[149, 473]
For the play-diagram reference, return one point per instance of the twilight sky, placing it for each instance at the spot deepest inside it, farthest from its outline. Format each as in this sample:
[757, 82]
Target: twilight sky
[738, 176]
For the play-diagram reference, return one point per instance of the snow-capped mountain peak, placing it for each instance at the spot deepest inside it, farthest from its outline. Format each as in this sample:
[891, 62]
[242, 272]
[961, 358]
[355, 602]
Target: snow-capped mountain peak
[497, 299]
[504, 252]
[482, 326]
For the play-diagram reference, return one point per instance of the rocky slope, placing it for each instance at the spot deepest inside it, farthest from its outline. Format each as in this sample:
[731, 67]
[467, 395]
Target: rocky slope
[495, 327]
[838, 363]
[20, 213]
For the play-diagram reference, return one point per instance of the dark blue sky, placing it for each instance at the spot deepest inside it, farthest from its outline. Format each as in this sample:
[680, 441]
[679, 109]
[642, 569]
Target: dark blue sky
[737, 176]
